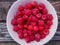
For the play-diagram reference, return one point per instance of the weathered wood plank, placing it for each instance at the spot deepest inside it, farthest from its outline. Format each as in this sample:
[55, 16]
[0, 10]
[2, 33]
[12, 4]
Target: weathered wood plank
[4, 7]
[8, 43]
[53, 43]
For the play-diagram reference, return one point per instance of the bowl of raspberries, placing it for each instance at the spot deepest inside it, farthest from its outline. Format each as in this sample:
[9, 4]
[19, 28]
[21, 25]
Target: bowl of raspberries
[32, 22]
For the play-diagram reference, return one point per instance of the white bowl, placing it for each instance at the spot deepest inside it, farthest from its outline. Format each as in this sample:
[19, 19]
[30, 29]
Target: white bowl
[12, 12]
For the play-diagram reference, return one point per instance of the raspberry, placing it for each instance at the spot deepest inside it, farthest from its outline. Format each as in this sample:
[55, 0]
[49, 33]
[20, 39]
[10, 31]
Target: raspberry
[20, 20]
[35, 28]
[28, 6]
[35, 11]
[24, 31]
[28, 12]
[42, 36]
[46, 31]
[21, 8]
[25, 34]
[29, 32]
[19, 31]
[25, 26]
[34, 4]
[49, 16]
[39, 15]
[30, 27]
[34, 32]
[18, 14]
[28, 39]
[34, 19]
[37, 37]
[41, 22]
[33, 23]
[23, 12]
[20, 26]
[30, 18]
[45, 11]
[44, 17]
[14, 22]
[49, 23]
[21, 36]
[47, 26]
[15, 28]
[41, 6]
[32, 37]
[41, 28]
[25, 17]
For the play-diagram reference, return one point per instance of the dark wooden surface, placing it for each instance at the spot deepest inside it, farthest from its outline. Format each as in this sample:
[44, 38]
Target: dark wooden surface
[5, 38]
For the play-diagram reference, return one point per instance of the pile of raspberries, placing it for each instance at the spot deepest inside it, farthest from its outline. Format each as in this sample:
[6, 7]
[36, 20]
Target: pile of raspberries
[32, 21]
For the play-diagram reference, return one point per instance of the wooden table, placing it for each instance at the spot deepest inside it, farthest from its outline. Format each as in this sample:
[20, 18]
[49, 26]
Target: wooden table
[5, 38]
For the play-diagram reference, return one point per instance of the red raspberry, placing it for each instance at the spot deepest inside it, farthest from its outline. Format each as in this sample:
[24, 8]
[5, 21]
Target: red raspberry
[49, 23]
[20, 20]
[30, 27]
[21, 8]
[25, 17]
[15, 28]
[34, 19]
[34, 32]
[24, 31]
[35, 28]
[28, 39]
[28, 22]
[14, 22]
[23, 12]
[42, 36]
[28, 12]
[18, 14]
[37, 37]
[19, 31]
[35, 11]
[30, 18]
[25, 34]
[45, 11]
[41, 22]
[41, 28]
[34, 4]
[47, 26]
[41, 6]
[32, 37]
[39, 15]
[46, 31]
[49, 16]
[29, 32]
[25, 26]
[21, 36]
[28, 6]
[33, 23]
[20, 26]
[44, 17]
